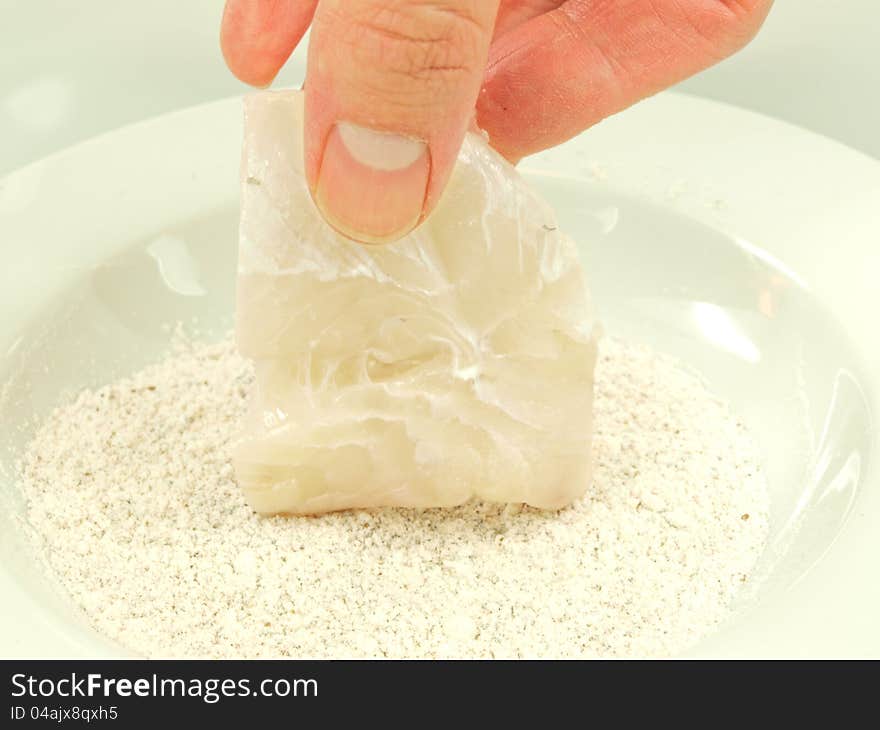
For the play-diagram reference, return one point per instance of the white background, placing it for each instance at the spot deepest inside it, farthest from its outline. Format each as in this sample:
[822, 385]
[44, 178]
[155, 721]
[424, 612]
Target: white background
[70, 69]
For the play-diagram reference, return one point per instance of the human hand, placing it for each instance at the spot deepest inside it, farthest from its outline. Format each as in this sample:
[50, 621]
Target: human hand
[392, 85]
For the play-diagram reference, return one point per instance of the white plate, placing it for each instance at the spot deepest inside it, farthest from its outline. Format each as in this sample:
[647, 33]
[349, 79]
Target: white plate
[747, 247]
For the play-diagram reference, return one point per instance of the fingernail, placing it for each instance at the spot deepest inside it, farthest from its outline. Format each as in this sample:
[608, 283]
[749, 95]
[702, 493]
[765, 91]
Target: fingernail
[371, 186]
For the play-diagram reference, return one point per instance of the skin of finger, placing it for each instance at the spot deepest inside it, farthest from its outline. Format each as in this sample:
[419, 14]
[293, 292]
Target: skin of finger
[557, 74]
[258, 36]
[513, 13]
[411, 67]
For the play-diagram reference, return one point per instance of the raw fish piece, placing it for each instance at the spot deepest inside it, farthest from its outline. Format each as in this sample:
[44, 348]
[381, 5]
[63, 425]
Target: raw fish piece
[455, 363]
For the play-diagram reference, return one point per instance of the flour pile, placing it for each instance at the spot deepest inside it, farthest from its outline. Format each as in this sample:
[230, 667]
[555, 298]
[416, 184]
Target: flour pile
[133, 506]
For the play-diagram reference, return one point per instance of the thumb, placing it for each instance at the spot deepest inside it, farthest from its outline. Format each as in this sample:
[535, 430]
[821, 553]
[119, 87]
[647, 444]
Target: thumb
[391, 87]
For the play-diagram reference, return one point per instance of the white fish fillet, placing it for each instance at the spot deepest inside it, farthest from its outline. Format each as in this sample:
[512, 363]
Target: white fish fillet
[455, 363]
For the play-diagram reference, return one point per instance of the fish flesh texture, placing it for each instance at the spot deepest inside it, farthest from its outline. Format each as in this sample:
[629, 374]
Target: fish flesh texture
[456, 363]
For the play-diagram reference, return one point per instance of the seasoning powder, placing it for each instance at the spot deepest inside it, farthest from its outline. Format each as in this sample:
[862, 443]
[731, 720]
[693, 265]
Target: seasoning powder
[134, 509]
